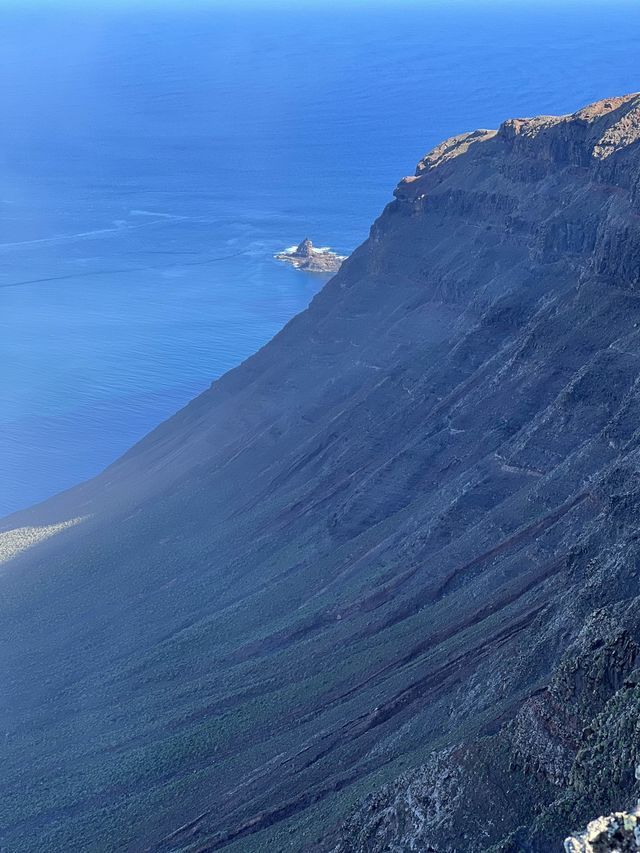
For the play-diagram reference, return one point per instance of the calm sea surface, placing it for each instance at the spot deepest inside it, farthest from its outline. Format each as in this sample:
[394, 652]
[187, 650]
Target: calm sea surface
[153, 159]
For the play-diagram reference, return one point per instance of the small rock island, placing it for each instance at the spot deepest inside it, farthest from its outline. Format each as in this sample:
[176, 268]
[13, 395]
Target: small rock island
[306, 257]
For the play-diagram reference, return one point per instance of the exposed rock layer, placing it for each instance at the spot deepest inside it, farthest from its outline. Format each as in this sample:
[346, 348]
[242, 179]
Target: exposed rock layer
[403, 535]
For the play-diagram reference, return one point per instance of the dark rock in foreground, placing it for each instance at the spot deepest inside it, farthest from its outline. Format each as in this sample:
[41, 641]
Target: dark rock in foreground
[306, 257]
[377, 589]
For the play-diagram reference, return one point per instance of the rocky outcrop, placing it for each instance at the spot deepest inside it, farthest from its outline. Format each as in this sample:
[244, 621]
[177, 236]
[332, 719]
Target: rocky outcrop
[377, 588]
[571, 746]
[617, 833]
[306, 257]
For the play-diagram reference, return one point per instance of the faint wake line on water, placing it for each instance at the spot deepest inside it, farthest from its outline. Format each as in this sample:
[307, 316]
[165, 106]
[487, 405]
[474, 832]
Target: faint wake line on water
[69, 276]
[156, 213]
[159, 252]
[61, 238]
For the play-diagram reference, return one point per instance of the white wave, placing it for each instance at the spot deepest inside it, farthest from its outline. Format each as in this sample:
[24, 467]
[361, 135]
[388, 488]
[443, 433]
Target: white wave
[321, 250]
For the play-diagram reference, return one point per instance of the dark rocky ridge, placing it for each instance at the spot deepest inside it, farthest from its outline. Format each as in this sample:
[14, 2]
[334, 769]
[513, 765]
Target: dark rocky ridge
[404, 534]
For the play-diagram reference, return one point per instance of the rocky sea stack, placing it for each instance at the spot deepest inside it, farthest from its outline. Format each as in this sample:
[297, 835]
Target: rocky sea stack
[378, 588]
[306, 257]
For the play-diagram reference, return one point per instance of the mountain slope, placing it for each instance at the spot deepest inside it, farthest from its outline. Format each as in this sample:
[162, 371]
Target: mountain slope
[377, 538]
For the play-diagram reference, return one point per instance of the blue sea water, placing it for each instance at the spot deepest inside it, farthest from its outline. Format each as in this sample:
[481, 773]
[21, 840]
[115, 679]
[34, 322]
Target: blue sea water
[154, 157]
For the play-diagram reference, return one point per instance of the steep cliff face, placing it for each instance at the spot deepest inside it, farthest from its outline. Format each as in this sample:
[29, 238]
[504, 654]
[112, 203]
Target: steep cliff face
[403, 535]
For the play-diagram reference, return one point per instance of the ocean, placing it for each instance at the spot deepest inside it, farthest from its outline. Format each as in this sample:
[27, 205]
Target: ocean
[155, 156]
